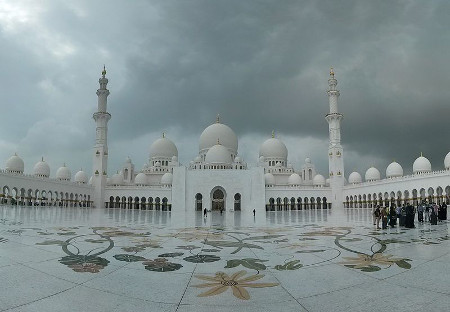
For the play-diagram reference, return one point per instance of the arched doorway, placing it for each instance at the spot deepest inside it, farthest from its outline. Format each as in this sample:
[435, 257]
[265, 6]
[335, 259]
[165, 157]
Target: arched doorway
[198, 202]
[237, 202]
[218, 199]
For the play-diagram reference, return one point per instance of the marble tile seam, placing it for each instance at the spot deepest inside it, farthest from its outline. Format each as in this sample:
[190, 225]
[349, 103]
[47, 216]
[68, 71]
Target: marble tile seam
[189, 281]
[281, 285]
[42, 298]
[126, 296]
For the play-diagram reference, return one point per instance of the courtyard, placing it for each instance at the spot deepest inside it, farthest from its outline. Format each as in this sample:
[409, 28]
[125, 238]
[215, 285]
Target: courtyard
[84, 259]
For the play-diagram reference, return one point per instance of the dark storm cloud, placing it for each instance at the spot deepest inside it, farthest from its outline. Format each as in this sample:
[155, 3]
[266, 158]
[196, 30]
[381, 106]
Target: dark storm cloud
[263, 65]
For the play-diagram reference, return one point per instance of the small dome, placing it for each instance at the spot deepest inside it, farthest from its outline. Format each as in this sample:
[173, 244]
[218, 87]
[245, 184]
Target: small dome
[218, 154]
[15, 164]
[273, 148]
[157, 164]
[372, 174]
[237, 159]
[354, 178]
[63, 173]
[166, 179]
[117, 179]
[197, 159]
[447, 161]
[319, 180]
[269, 179]
[81, 177]
[394, 170]
[128, 160]
[145, 166]
[421, 165]
[278, 165]
[163, 147]
[175, 158]
[141, 179]
[221, 132]
[327, 182]
[294, 179]
[90, 181]
[307, 160]
[261, 159]
[41, 169]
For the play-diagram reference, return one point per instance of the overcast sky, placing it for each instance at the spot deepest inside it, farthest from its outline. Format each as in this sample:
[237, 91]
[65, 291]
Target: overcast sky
[262, 65]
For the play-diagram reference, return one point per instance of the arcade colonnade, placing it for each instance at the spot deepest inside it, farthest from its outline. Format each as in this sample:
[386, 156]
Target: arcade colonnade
[298, 203]
[413, 196]
[12, 195]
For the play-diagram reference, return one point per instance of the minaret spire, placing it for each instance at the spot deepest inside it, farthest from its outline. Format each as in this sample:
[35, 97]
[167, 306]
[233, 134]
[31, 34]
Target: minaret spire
[100, 164]
[335, 150]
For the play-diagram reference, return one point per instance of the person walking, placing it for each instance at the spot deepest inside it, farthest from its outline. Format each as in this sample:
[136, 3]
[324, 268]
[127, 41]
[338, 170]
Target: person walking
[377, 215]
[204, 212]
[254, 212]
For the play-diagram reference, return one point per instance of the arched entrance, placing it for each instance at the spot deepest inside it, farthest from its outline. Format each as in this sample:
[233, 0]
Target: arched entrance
[218, 197]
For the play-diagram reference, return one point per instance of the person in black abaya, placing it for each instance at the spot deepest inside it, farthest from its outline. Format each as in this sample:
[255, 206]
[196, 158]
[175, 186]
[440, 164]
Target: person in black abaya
[409, 222]
[392, 217]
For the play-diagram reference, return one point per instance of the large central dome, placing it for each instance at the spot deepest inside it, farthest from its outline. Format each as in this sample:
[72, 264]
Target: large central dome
[218, 132]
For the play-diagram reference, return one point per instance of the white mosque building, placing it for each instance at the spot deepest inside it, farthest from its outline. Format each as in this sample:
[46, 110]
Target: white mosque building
[219, 179]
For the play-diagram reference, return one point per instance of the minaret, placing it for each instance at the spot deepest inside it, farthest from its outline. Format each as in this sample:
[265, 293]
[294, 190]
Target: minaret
[335, 150]
[100, 164]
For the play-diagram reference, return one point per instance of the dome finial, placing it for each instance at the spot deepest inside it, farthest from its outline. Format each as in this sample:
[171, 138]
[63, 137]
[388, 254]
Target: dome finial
[421, 154]
[218, 142]
[164, 135]
[332, 72]
[42, 158]
[273, 134]
[218, 118]
[104, 71]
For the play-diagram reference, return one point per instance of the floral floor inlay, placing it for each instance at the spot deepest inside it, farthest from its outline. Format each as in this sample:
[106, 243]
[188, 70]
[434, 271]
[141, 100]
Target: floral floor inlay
[254, 261]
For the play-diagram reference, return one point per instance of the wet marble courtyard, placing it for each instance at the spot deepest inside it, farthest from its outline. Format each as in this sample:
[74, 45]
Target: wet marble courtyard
[81, 259]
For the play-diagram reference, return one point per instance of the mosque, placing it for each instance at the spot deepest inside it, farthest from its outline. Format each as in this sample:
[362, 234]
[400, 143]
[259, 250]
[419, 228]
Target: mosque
[218, 178]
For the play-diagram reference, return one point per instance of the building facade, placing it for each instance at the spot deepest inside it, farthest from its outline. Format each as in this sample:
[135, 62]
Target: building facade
[217, 178]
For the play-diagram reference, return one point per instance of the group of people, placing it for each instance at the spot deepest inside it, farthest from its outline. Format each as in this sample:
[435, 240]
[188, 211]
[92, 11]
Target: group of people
[432, 212]
[405, 214]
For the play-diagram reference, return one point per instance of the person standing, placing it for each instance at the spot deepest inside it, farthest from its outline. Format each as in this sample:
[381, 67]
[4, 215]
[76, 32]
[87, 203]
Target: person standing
[384, 218]
[420, 210]
[254, 212]
[392, 216]
[204, 212]
[444, 211]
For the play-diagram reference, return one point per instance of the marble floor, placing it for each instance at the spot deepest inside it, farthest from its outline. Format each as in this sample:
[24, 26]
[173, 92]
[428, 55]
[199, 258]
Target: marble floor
[81, 259]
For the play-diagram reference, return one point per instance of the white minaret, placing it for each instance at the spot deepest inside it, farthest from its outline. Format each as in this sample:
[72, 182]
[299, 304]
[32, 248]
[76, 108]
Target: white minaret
[335, 150]
[100, 164]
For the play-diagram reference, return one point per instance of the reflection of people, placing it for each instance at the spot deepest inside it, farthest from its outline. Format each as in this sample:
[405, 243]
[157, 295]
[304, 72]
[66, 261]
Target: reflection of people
[254, 212]
[204, 212]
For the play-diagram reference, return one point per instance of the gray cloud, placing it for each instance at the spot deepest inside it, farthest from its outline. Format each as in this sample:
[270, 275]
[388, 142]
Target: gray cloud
[263, 65]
